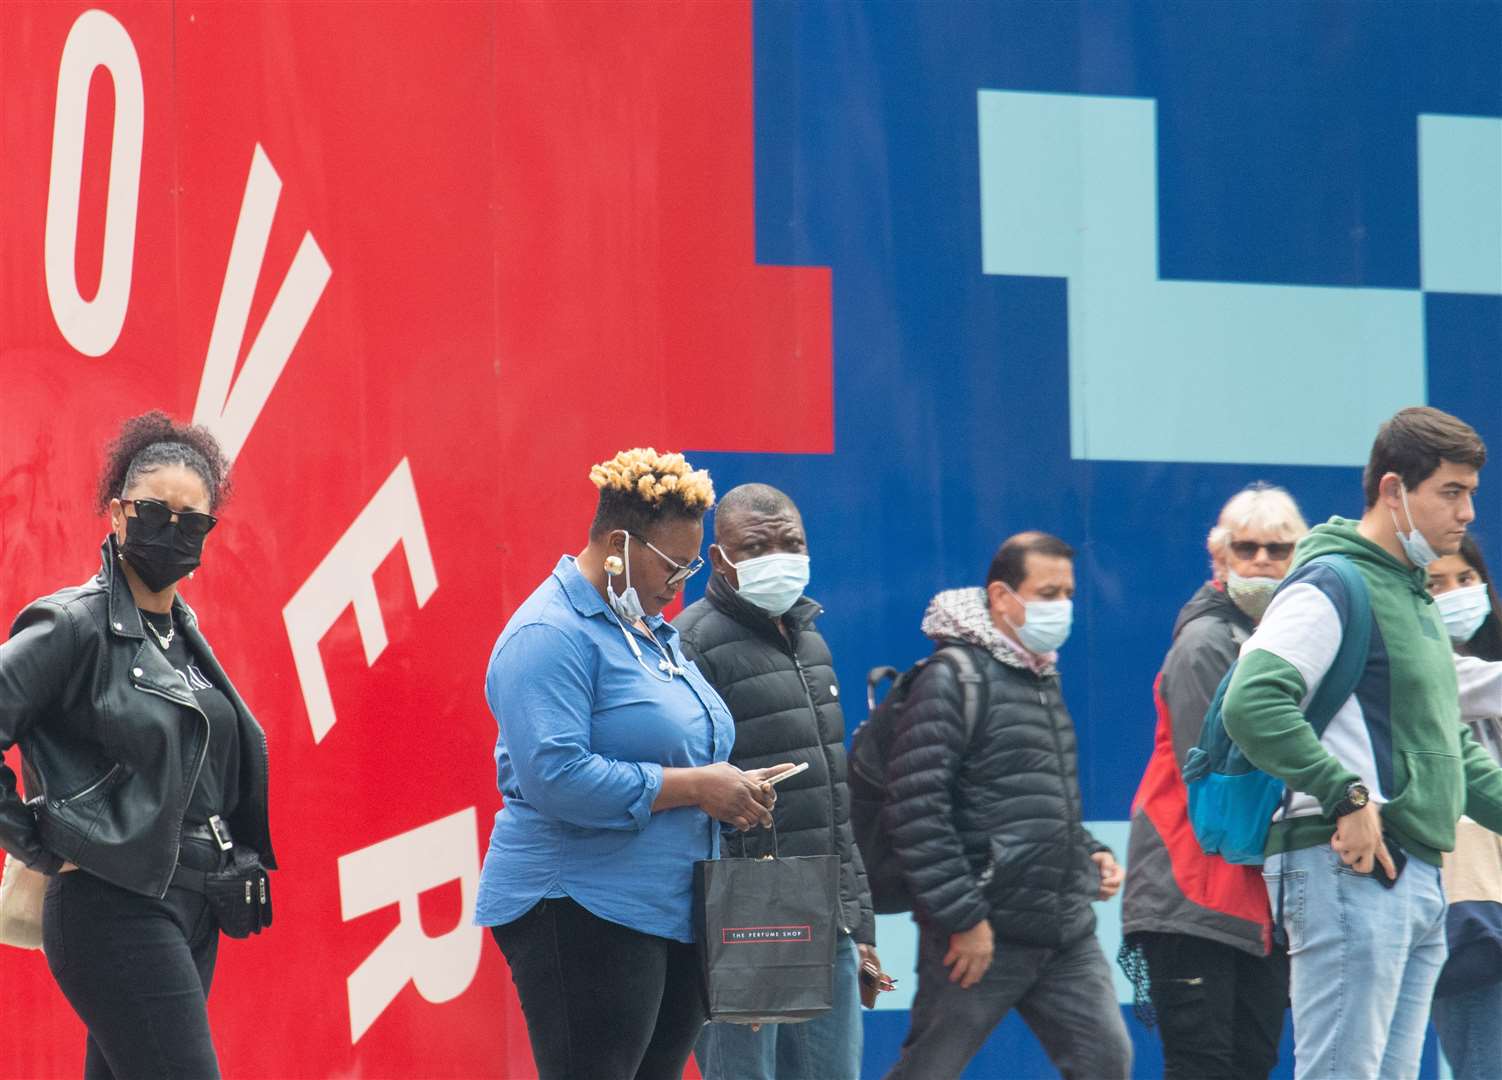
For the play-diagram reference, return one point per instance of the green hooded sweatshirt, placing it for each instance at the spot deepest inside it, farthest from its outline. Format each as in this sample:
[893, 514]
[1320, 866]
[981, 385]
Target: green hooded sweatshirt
[1400, 734]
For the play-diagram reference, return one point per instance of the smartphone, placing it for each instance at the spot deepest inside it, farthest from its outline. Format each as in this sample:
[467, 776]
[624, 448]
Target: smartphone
[1399, 860]
[794, 771]
[873, 982]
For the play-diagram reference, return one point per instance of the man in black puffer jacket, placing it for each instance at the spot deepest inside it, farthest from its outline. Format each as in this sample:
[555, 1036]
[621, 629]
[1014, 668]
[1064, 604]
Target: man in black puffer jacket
[991, 835]
[753, 638]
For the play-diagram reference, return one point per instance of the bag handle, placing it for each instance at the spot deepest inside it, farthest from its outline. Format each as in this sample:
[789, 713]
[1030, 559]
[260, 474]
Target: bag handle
[741, 833]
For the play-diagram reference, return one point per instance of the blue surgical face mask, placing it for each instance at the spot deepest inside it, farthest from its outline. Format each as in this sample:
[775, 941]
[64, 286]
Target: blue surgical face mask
[1415, 546]
[627, 604]
[1464, 610]
[774, 582]
[1045, 624]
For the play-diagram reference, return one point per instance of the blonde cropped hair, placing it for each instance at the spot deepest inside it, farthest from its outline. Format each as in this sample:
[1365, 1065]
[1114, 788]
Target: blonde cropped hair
[651, 477]
[1262, 507]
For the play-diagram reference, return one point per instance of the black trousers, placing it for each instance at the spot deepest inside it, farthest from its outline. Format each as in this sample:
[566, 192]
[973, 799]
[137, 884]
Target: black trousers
[137, 970]
[602, 1001]
[1220, 1009]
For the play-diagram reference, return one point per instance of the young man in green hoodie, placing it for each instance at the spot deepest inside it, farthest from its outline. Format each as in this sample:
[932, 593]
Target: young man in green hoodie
[1354, 852]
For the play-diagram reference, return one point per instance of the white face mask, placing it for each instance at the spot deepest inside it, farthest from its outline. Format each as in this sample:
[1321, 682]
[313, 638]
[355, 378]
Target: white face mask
[774, 582]
[1414, 543]
[626, 605]
[1045, 624]
[1251, 594]
[1464, 610]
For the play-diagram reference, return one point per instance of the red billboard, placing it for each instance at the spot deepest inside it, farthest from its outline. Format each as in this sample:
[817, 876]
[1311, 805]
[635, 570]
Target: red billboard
[418, 266]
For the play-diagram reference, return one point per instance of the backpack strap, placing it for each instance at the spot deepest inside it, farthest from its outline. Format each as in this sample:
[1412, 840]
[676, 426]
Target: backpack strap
[1346, 669]
[972, 685]
[874, 678]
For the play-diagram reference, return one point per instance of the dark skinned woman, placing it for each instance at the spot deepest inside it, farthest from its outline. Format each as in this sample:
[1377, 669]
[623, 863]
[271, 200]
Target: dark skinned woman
[612, 761]
[144, 769]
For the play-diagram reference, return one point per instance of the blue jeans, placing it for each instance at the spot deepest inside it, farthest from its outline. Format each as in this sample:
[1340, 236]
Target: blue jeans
[1470, 1032]
[1363, 962]
[827, 1047]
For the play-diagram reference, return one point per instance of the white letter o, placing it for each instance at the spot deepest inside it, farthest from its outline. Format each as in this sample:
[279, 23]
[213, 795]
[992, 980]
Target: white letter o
[93, 326]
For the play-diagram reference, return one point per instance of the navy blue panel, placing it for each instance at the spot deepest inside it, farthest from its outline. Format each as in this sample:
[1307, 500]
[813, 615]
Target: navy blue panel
[1287, 154]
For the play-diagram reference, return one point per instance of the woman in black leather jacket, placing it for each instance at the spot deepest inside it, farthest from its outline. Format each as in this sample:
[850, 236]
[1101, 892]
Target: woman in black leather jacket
[143, 767]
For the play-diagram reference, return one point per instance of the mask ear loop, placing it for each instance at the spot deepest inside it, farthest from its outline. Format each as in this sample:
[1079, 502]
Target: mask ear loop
[667, 661]
[1412, 529]
[1015, 628]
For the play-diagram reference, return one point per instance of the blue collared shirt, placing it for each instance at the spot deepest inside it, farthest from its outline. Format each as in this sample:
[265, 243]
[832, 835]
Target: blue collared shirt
[585, 731]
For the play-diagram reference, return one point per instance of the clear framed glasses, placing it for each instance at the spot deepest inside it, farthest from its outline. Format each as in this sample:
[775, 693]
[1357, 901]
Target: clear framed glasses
[681, 572]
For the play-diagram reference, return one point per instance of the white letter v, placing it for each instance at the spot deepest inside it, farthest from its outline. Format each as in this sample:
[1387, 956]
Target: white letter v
[231, 412]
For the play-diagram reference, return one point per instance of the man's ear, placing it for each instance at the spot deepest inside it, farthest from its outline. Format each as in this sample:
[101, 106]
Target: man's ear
[1390, 490]
[723, 566]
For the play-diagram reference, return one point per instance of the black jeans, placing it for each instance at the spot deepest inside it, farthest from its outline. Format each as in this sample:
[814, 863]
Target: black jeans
[137, 971]
[602, 1001]
[1220, 1009]
[1064, 995]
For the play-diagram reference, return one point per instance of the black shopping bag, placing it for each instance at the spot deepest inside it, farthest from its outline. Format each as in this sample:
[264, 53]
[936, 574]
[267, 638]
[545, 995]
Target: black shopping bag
[766, 935]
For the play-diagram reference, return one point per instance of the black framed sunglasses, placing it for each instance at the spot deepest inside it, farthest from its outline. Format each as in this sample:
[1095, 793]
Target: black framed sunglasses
[1247, 549]
[681, 572]
[155, 514]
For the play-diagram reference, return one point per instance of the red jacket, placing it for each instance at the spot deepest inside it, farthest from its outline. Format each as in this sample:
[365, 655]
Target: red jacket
[1171, 885]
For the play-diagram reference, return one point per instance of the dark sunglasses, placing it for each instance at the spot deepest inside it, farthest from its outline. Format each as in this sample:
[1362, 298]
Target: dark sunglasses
[155, 514]
[681, 573]
[1247, 549]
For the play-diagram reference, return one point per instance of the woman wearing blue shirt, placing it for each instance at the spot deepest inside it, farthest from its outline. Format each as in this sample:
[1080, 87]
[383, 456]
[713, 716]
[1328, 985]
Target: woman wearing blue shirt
[612, 761]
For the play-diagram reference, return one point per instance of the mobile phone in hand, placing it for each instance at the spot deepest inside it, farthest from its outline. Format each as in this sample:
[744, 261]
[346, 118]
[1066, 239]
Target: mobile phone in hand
[873, 982]
[780, 777]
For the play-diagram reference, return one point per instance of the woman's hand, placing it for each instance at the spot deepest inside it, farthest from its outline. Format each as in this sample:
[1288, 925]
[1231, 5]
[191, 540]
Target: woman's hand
[742, 799]
[770, 771]
[67, 868]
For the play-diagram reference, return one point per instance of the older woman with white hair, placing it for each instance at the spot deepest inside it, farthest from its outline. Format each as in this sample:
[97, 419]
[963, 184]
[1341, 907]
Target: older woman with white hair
[1198, 930]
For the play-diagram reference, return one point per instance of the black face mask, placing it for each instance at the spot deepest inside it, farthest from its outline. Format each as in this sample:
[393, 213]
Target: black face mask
[161, 555]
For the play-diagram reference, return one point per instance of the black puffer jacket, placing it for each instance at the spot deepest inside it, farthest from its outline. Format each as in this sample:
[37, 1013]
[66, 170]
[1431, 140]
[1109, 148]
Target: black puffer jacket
[786, 703]
[993, 830]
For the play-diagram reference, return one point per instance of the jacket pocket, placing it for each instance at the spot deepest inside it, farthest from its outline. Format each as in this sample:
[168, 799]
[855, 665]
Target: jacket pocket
[1007, 864]
[94, 788]
[1430, 797]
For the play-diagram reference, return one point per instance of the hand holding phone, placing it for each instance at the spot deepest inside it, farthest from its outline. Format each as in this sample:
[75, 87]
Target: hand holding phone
[874, 981]
[780, 777]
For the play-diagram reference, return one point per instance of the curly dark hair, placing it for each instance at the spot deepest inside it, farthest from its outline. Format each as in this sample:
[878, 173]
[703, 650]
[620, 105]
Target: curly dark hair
[154, 440]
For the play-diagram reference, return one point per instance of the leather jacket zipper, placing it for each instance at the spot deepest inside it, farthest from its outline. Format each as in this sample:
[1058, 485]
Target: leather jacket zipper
[203, 755]
[58, 804]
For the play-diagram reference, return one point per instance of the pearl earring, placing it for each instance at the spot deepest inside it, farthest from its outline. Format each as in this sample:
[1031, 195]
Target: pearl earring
[613, 565]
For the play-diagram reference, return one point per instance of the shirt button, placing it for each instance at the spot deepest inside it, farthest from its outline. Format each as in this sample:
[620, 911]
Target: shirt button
[119, 627]
[137, 672]
[834, 691]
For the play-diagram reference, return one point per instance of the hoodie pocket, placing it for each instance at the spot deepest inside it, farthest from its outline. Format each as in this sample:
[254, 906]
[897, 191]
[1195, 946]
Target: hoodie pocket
[1430, 796]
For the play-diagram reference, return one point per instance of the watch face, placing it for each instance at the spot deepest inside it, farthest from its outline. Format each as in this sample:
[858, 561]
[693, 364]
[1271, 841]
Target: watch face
[1357, 795]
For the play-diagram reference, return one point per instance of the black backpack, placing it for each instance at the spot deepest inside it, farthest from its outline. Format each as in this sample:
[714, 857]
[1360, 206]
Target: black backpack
[869, 748]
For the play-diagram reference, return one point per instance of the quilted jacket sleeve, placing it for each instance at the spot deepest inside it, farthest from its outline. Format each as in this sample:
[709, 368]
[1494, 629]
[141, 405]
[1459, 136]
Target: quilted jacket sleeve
[922, 766]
